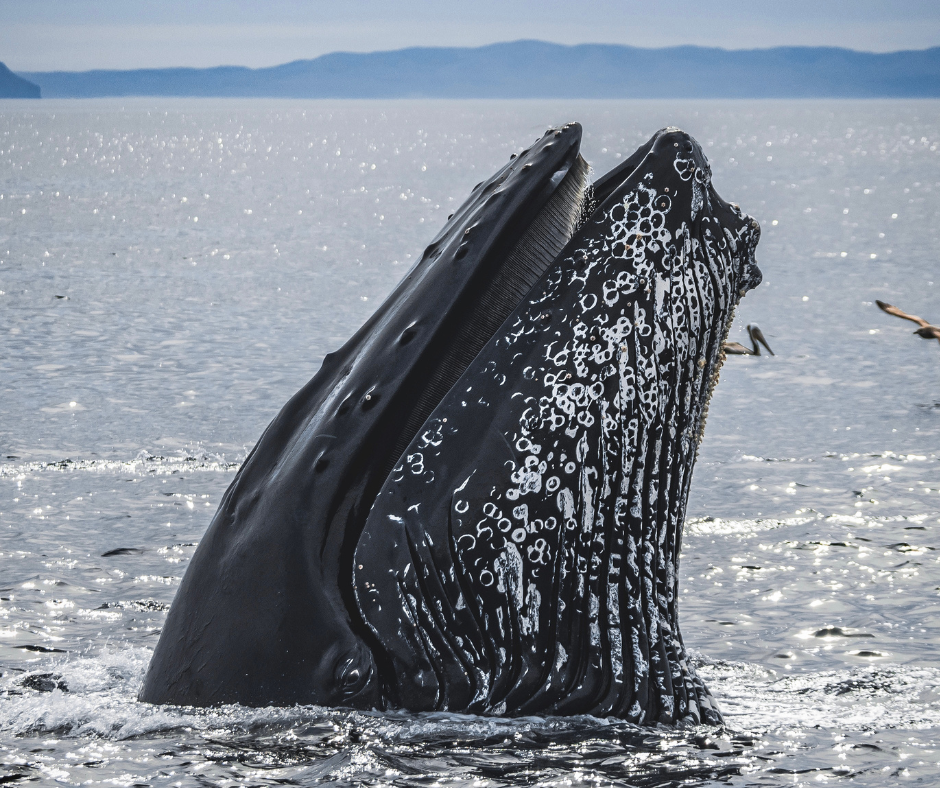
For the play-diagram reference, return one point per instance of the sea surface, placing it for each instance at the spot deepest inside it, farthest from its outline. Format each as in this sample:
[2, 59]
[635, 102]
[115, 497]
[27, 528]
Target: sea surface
[171, 271]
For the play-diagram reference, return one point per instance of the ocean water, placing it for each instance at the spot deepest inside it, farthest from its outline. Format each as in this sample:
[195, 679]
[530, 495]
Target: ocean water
[171, 271]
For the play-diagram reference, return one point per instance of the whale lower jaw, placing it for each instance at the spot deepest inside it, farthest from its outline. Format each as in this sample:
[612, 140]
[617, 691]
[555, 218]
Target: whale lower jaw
[541, 574]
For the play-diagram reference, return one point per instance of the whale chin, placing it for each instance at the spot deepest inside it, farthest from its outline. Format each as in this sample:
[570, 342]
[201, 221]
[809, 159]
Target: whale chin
[476, 504]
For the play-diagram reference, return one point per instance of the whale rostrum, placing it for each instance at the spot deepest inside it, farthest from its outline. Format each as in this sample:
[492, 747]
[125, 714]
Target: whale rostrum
[477, 503]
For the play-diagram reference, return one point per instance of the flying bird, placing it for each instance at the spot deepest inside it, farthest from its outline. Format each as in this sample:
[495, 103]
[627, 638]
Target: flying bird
[756, 335]
[926, 330]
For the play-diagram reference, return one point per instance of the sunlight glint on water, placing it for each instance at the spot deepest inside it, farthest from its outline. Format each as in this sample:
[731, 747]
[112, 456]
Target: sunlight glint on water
[172, 271]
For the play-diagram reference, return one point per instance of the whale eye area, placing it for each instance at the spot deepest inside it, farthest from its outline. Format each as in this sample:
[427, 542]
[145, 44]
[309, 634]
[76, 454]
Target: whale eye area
[370, 400]
[351, 676]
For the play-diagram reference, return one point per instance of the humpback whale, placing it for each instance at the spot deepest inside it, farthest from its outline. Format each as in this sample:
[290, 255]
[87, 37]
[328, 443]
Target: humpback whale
[477, 503]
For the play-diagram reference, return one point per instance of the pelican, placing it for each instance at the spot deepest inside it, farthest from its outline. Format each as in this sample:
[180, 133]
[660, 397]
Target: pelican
[926, 330]
[756, 335]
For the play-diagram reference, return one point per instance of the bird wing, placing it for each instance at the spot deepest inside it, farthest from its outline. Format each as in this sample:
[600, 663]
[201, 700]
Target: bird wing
[893, 310]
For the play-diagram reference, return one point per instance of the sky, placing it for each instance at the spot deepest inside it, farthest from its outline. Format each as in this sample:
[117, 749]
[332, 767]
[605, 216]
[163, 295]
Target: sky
[46, 35]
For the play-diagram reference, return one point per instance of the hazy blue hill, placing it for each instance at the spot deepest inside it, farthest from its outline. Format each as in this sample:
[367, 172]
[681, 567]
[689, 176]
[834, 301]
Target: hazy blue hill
[12, 86]
[536, 69]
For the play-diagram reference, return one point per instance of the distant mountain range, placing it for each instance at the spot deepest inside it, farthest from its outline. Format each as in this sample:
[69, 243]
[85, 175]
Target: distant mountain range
[536, 69]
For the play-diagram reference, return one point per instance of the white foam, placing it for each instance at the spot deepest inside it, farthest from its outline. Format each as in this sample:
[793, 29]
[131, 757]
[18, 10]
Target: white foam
[883, 696]
[101, 702]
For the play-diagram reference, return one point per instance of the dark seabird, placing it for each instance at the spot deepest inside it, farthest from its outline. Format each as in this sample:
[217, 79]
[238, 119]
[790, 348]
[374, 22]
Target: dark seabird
[756, 335]
[926, 330]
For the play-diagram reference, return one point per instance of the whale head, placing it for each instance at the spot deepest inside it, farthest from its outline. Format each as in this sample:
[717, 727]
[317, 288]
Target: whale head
[476, 504]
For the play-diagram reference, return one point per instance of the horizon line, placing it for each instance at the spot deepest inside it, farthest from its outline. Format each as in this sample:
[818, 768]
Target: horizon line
[483, 46]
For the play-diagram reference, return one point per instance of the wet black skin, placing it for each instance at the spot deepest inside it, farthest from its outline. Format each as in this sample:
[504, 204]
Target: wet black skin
[294, 594]
[265, 614]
